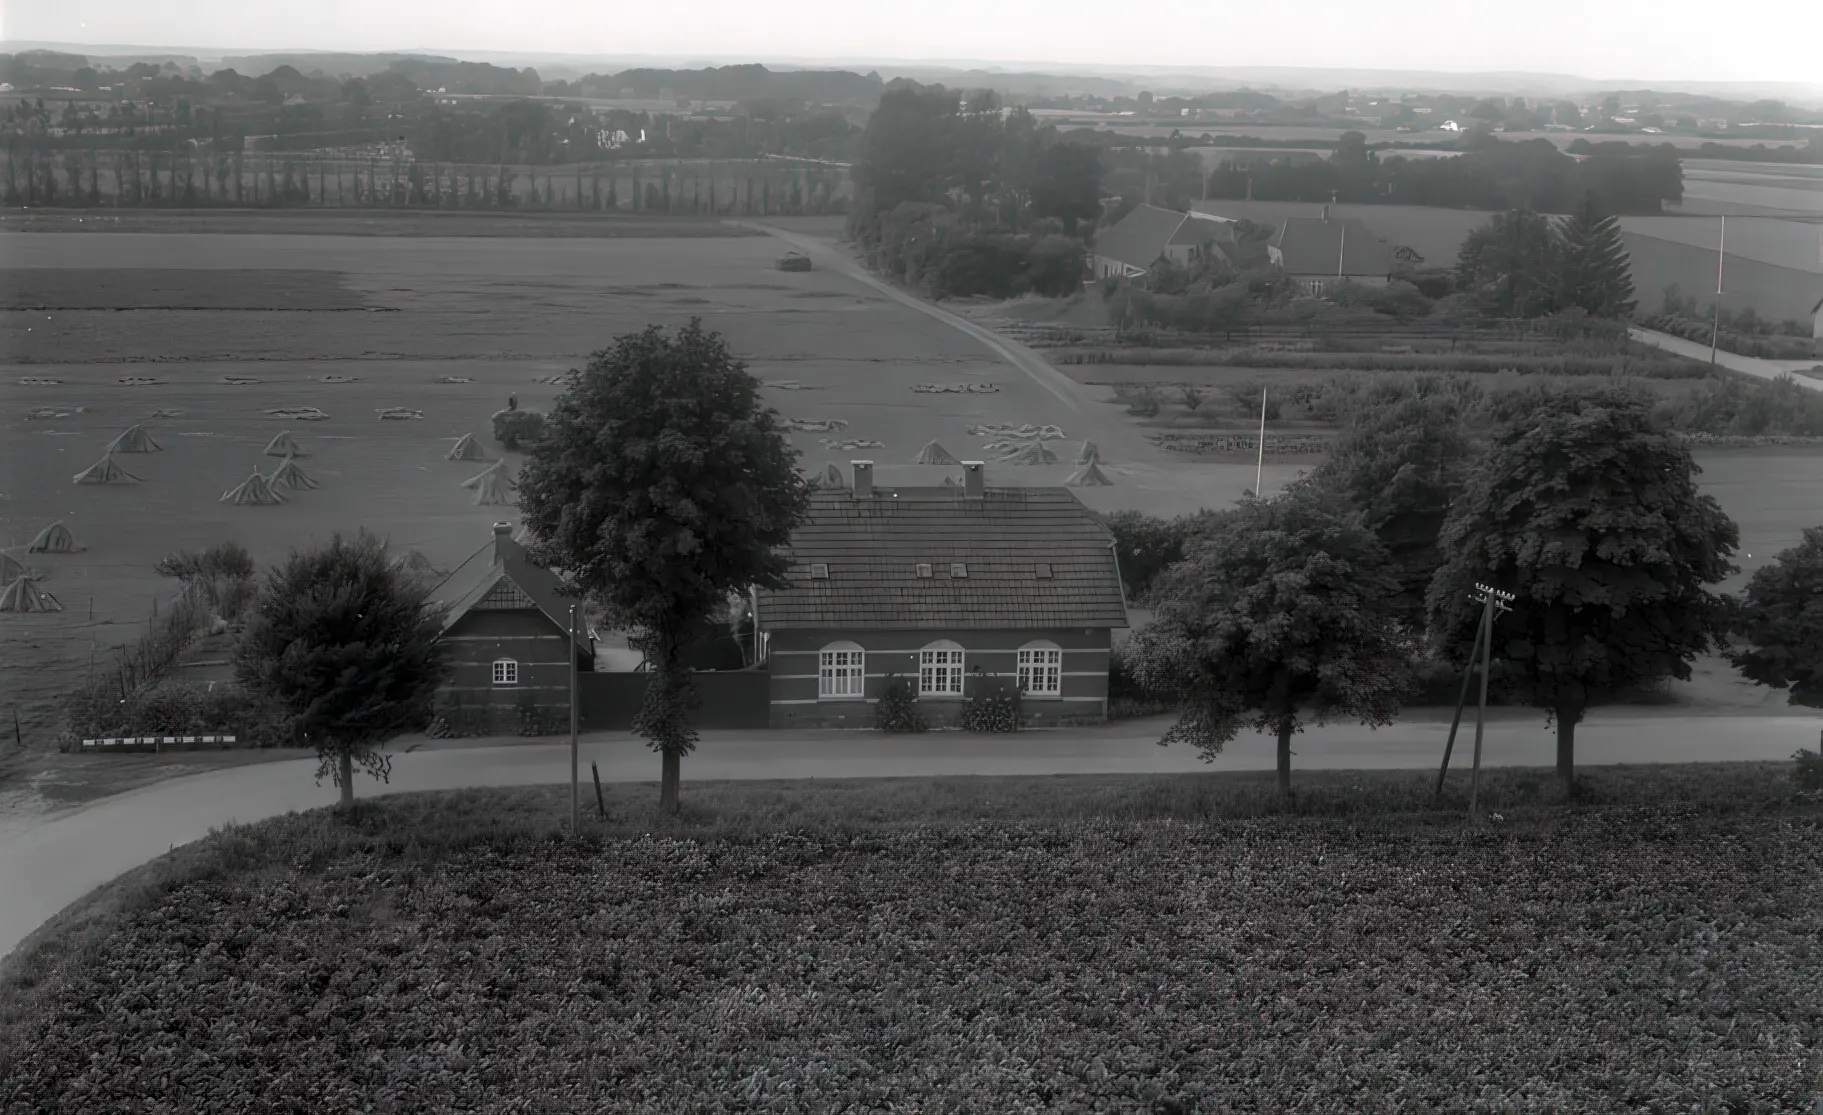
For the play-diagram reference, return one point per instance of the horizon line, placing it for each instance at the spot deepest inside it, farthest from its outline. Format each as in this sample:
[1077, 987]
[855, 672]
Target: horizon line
[1039, 67]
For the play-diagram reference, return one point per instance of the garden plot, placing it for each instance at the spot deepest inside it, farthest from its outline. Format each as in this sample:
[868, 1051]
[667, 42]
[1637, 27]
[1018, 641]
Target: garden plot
[1606, 959]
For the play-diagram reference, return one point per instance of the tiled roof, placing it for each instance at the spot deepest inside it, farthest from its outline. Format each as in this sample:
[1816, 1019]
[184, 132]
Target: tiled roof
[1312, 246]
[476, 577]
[872, 549]
[1139, 238]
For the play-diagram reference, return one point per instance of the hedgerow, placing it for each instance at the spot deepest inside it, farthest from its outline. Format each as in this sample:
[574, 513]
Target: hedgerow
[1622, 959]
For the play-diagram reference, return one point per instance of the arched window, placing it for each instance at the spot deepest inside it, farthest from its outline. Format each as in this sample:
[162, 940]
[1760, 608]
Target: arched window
[1041, 669]
[841, 672]
[940, 670]
[506, 672]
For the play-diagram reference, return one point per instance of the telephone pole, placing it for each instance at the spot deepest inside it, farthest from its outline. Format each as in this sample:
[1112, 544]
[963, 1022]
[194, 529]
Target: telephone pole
[1492, 602]
[575, 774]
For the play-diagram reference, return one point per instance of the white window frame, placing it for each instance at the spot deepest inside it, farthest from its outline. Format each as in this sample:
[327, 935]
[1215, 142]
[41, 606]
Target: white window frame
[506, 673]
[940, 669]
[1041, 669]
[841, 672]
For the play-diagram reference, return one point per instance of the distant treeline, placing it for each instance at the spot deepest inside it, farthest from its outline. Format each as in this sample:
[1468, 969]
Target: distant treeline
[1494, 174]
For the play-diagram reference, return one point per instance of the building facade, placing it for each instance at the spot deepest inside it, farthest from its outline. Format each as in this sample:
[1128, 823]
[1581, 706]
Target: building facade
[953, 590]
[507, 629]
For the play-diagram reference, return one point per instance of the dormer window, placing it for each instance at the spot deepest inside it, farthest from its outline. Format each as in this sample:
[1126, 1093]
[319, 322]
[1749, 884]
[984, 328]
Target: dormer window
[819, 571]
[924, 569]
[958, 569]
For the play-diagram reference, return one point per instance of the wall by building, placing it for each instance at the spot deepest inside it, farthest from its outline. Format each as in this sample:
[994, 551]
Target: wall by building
[607, 702]
[525, 636]
[794, 661]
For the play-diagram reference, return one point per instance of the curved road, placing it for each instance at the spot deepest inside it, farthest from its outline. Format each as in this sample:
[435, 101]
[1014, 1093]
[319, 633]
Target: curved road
[1734, 362]
[47, 865]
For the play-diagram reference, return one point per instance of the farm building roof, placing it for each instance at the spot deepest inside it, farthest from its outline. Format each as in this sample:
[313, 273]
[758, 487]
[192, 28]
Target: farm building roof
[1338, 245]
[1140, 237]
[505, 558]
[871, 548]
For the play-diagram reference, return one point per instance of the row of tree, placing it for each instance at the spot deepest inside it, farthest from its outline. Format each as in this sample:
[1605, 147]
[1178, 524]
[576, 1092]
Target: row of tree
[138, 178]
[1336, 597]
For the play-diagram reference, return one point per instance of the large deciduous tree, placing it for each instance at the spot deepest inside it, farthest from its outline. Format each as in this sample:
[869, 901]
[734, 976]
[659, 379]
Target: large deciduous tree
[1402, 465]
[1512, 264]
[662, 485]
[343, 644]
[1780, 623]
[1596, 275]
[1589, 511]
[1066, 184]
[1273, 618]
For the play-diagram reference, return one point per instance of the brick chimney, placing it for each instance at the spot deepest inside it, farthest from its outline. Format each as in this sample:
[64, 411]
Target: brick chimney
[974, 480]
[503, 535]
[864, 479]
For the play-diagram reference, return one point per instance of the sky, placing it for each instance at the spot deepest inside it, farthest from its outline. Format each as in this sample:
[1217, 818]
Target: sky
[1694, 40]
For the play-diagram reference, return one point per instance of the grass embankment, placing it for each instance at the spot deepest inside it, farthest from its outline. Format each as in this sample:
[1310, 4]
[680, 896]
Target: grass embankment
[1063, 944]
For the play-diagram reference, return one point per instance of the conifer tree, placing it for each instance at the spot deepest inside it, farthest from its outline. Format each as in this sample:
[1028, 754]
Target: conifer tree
[1597, 276]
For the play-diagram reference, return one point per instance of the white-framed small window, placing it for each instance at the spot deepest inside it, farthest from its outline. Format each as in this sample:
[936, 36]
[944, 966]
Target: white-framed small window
[819, 571]
[1041, 669]
[506, 672]
[841, 672]
[940, 670]
[958, 568]
[924, 569]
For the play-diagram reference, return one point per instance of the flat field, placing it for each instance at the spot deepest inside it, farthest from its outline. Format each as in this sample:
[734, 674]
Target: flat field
[967, 945]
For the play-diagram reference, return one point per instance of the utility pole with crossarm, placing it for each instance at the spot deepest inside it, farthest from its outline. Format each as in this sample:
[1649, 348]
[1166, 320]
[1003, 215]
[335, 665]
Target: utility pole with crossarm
[1492, 601]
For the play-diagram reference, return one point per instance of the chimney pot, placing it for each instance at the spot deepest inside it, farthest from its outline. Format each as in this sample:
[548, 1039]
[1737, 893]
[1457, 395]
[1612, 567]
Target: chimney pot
[503, 534]
[864, 479]
[974, 479]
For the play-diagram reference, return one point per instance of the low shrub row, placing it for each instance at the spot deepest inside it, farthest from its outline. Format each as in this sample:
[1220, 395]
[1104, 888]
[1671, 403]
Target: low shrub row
[1766, 346]
[168, 708]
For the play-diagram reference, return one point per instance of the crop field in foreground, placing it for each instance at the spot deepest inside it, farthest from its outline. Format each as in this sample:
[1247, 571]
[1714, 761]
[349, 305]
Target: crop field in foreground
[458, 953]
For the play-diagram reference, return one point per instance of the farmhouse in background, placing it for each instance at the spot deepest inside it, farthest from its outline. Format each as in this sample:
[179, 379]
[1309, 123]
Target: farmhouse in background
[1319, 252]
[507, 625]
[1135, 243]
[947, 588]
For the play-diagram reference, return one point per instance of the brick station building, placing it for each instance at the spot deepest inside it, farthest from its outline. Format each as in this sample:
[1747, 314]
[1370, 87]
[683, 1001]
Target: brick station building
[941, 585]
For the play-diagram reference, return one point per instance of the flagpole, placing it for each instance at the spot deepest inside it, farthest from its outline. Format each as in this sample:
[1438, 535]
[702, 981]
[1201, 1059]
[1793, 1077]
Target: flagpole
[575, 777]
[1259, 467]
[1715, 328]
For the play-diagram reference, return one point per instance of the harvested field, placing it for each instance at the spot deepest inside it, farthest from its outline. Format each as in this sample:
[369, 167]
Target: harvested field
[472, 319]
[469, 320]
[69, 288]
[1655, 957]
